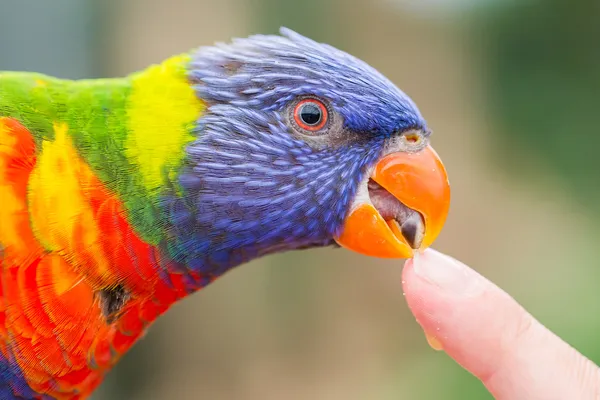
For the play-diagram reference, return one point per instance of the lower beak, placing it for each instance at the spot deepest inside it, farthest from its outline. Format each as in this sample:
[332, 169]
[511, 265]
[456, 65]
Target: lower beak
[417, 180]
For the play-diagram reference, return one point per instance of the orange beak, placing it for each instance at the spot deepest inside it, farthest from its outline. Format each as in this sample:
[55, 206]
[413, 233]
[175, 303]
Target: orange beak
[418, 181]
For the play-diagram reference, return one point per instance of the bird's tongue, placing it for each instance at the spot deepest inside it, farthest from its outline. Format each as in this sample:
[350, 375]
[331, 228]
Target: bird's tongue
[419, 181]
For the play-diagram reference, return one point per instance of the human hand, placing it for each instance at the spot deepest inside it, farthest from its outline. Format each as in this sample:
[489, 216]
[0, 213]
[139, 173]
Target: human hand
[488, 333]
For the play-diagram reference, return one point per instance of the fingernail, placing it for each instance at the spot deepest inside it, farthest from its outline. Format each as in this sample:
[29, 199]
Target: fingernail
[433, 342]
[445, 272]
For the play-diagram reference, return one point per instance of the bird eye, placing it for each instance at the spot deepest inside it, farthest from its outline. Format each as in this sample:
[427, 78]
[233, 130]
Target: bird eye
[311, 115]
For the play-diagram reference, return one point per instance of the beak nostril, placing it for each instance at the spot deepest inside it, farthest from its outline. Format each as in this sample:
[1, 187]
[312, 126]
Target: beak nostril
[412, 138]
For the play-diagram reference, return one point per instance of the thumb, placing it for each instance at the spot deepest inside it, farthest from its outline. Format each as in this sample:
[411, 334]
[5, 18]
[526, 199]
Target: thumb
[491, 335]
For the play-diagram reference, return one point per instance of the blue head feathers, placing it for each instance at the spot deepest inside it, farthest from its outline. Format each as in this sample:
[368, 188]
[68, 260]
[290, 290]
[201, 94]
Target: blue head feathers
[254, 180]
[266, 72]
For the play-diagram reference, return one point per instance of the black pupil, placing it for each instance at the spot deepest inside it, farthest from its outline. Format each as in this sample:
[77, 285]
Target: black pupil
[310, 114]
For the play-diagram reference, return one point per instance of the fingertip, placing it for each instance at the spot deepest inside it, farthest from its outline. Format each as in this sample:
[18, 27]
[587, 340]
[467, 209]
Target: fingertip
[425, 299]
[434, 284]
[453, 305]
[487, 332]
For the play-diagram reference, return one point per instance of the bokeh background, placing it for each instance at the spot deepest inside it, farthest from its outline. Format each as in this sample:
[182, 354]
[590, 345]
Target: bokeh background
[510, 89]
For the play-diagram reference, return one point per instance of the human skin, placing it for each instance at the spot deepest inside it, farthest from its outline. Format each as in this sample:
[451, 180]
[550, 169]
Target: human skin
[493, 337]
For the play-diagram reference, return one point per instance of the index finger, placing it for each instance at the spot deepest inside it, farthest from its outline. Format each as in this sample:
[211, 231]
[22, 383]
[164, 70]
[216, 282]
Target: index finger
[492, 336]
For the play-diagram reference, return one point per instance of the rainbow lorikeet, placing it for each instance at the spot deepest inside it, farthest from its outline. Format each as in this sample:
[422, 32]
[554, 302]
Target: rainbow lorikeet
[119, 197]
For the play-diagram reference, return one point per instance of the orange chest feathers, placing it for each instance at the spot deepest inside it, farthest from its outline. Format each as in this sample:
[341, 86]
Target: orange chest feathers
[78, 285]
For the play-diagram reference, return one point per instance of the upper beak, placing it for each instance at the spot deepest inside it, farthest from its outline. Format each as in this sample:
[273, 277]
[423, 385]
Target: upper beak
[418, 181]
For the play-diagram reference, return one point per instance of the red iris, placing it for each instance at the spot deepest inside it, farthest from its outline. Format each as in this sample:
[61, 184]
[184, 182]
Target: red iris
[311, 115]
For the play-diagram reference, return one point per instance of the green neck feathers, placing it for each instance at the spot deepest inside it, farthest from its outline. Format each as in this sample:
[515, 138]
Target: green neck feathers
[132, 131]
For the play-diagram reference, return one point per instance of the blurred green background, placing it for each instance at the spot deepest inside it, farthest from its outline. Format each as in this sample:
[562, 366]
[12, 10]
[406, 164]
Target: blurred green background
[511, 91]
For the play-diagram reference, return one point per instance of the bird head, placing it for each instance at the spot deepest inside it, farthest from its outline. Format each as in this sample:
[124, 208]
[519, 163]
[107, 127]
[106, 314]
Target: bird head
[303, 145]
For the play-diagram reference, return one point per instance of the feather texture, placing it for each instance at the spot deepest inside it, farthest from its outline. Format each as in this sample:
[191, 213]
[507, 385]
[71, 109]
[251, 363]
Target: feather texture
[71, 249]
[121, 196]
[62, 260]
